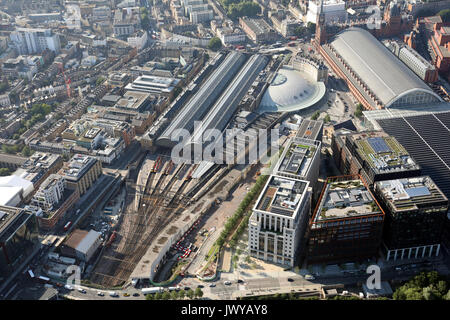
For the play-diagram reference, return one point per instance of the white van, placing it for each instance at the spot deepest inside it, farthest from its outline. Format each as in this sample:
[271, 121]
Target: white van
[113, 294]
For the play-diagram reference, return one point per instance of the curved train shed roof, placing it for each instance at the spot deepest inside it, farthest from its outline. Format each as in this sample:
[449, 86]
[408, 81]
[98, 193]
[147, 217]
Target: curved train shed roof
[382, 72]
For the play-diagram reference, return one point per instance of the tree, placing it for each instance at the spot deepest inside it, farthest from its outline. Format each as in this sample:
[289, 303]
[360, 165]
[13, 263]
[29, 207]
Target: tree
[99, 81]
[301, 31]
[198, 293]
[149, 297]
[26, 151]
[316, 115]
[358, 112]
[166, 295]
[174, 295]
[215, 44]
[5, 172]
[182, 294]
[445, 15]
[311, 27]
[157, 296]
[327, 118]
[190, 294]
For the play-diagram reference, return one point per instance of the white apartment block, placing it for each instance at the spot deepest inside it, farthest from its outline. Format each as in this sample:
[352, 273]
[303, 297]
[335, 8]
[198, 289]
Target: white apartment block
[29, 41]
[201, 16]
[230, 36]
[279, 219]
[50, 192]
[334, 11]
[138, 40]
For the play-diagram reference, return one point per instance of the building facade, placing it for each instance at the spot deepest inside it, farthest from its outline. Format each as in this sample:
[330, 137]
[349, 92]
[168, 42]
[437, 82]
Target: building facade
[81, 172]
[347, 223]
[278, 223]
[18, 240]
[416, 213]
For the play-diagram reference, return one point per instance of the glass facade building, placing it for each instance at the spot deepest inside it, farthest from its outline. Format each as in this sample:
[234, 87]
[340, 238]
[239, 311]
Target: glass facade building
[18, 239]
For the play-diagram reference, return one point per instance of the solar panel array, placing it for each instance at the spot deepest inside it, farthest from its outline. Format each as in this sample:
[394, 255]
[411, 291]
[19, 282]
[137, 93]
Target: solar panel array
[379, 145]
[427, 139]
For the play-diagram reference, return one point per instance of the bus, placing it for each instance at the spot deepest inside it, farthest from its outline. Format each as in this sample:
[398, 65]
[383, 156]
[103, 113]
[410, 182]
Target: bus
[67, 226]
[30, 272]
[43, 279]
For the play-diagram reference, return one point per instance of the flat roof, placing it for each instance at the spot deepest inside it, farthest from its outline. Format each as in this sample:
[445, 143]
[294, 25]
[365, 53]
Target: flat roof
[281, 196]
[382, 152]
[407, 194]
[298, 156]
[345, 197]
[77, 166]
[310, 129]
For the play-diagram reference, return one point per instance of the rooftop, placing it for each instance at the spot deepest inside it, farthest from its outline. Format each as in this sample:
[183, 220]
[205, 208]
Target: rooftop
[408, 194]
[77, 166]
[7, 216]
[132, 100]
[281, 196]
[382, 152]
[345, 197]
[384, 74]
[298, 156]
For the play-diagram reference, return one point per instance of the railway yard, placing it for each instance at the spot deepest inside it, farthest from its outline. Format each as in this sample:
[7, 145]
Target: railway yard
[164, 203]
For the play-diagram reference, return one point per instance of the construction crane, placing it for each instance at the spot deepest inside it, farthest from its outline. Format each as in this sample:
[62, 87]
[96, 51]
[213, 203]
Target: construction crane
[67, 80]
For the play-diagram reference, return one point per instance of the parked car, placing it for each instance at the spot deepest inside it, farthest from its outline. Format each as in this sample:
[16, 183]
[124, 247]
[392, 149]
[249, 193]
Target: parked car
[227, 283]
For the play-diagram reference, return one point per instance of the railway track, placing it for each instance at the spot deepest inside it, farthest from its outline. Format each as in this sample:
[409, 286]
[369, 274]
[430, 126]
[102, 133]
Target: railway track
[139, 230]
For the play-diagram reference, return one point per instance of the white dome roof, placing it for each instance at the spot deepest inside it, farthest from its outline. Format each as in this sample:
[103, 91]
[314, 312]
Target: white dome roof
[288, 90]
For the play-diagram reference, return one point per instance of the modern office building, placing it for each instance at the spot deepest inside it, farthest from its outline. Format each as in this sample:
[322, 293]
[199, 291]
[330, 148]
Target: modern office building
[29, 41]
[425, 135]
[81, 172]
[373, 74]
[373, 154]
[300, 160]
[18, 240]
[347, 222]
[153, 85]
[278, 223]
[416, 212]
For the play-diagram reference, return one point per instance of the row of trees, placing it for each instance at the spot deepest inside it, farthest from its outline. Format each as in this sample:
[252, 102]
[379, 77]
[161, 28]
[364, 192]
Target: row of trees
[425, 286]
[145, 20]
[302, 31]
[240, 8]
[18, 148]
[5, 172]
[232, 222]
[174, 295]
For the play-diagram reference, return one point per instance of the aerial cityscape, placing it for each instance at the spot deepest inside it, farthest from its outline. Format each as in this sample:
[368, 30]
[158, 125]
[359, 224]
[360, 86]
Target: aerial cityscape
[238, 150]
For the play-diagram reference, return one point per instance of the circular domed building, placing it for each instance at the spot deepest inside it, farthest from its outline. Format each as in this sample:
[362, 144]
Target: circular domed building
[291, 90]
